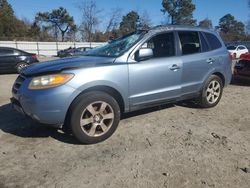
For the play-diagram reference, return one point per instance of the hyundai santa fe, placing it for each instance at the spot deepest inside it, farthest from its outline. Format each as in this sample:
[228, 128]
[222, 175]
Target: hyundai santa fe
[87, 94]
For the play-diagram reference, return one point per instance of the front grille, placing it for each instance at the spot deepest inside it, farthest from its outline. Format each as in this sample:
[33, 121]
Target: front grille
[18, 83]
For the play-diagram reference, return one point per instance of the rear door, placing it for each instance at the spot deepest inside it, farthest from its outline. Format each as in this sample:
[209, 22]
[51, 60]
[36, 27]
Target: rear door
[7, 60]
[198, 60]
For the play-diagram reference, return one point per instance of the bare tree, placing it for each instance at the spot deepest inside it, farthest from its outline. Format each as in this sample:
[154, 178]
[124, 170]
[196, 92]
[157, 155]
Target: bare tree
[114, 20]
[206, 23]
[144, 20]
[89, 19]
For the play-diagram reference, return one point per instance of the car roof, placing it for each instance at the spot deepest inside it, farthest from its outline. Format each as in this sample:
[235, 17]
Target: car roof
[160, 28]
[241, 45]
[9, 48]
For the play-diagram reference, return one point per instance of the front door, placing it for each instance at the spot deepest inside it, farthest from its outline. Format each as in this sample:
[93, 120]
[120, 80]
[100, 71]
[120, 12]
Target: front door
[158, 78]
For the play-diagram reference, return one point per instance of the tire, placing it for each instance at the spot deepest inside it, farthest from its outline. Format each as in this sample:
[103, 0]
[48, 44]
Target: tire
[94, 117]
[211, 92]
[20, 66]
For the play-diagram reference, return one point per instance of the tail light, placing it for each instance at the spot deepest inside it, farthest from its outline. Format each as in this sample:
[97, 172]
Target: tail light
[34, 57]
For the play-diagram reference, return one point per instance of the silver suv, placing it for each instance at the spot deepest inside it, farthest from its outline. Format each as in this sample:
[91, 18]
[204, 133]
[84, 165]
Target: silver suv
[146, 68]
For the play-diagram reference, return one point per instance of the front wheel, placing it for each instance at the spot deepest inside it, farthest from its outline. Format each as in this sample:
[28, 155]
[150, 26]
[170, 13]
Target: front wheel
[94, 117]
[211, 92]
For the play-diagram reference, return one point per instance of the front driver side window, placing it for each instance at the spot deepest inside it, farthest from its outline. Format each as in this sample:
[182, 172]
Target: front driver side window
[163, 45]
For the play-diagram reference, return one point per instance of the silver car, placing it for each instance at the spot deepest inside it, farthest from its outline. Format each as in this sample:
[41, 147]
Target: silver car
[87, 94]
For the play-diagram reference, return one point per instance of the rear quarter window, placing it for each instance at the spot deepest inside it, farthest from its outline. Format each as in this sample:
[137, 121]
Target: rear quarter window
[213, 41]
[204, 44]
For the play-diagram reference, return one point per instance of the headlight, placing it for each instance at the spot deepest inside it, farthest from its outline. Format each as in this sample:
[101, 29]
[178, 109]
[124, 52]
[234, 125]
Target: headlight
[49, 81]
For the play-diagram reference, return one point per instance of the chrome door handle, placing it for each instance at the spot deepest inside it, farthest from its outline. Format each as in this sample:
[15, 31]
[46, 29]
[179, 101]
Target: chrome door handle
[174, 67]
[210, 61]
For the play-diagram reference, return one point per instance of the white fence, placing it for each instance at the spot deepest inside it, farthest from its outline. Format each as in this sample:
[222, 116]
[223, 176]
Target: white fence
[46, 48]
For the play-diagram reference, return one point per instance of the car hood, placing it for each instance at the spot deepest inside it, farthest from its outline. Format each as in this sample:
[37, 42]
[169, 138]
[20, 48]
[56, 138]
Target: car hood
[231, 51]
[66, 63]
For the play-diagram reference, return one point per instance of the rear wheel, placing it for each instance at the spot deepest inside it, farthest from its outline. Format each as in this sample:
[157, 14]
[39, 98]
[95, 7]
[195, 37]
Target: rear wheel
[20, 66]
[211, 92]
[94, 117]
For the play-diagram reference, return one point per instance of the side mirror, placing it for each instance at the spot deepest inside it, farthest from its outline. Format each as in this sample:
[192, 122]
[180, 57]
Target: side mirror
[144, 54]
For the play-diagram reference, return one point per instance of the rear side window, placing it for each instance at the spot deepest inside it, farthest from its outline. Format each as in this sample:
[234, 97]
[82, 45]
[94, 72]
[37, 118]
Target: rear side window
[4, 52]
[190, 42]
[241, 48]
[213, 41]
[231, 47]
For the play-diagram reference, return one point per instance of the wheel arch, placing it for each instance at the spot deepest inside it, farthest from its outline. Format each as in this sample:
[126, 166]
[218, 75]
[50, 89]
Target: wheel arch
[111, 91]
[222, 77]
[106, 89]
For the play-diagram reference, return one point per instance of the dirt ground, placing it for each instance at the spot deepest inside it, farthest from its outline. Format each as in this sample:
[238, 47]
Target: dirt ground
[176, 145]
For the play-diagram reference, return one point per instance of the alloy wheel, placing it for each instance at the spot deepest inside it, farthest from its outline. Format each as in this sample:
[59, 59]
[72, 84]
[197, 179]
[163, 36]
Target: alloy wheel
[213, 92]
[97, 118]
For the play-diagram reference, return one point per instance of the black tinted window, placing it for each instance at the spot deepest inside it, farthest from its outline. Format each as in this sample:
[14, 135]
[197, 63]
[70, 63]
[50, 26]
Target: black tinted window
[16, 52]
[190, 42]
[213, 41]
[204, 44]
[6, 52]
[231, 47]
[241, 48]
[163, 45]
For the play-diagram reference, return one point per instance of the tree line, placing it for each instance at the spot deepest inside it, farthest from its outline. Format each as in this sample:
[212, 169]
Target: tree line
[59, 25]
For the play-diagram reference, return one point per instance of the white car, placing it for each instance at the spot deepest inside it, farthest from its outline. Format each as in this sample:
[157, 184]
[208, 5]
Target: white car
[236, 51]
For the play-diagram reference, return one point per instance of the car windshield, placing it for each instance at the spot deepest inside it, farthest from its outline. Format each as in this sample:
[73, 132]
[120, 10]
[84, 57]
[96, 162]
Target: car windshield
[116, 47]
[231, 47]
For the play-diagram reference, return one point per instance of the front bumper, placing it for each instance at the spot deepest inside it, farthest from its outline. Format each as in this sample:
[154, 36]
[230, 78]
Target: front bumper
[48, 106]
[16, 106]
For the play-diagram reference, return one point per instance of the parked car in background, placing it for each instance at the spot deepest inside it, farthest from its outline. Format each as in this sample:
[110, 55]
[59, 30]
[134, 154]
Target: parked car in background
[237, 51]
[73, 52]
[87, 94]
[80, 51]
[63, 53]
[14, 60]
[242, 68]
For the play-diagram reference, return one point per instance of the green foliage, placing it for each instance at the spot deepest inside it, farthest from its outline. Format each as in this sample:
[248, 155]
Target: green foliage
[7, 20]
[231, 29]
[179, 11]
[206, 23]
[129, 23]
[57, 19]
[11, 28]
[144, 20]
